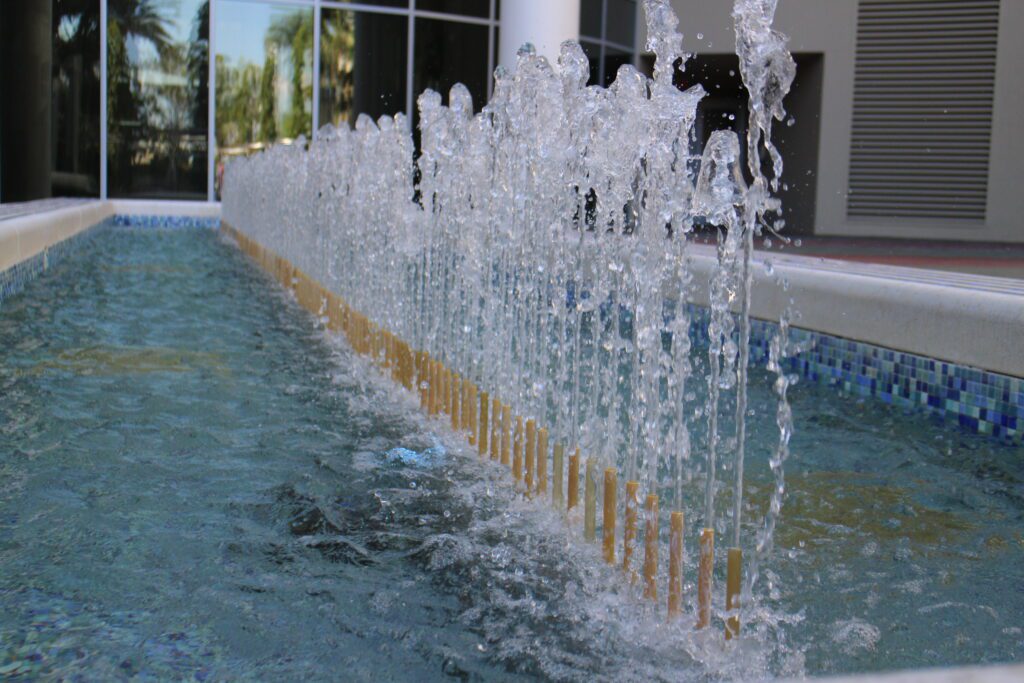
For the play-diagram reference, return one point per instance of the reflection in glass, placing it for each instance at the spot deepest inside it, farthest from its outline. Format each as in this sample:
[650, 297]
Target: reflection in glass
[382, 3]
[156, 97]
[468, 8]
[447, 53]
[76, 98]
[590, 18]
[593, 53]
[264, 66]
[620, 24]
[362, 65]
[613, 59]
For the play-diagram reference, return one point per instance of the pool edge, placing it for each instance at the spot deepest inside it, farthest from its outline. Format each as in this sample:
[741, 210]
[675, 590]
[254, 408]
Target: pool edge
[978, 400]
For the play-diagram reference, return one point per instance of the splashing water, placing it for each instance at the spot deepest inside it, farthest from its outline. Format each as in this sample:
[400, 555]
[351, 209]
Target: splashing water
[541, 249]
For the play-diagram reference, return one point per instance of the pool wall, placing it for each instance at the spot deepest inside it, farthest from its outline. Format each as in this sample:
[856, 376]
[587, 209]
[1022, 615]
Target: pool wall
[942, 343]
[32, 243]
[28, 245]
[945, 343]
[949, 344]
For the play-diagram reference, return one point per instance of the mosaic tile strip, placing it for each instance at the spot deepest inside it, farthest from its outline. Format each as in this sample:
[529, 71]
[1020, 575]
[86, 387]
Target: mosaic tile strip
[979, 401]
[14, 279]
[150, 221]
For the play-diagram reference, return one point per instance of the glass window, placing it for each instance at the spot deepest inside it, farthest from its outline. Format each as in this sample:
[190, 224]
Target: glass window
[620, 24]
[613, 59]
[593, 53]
[468, 8]
[447, 53]
[76, 98]
[157, 66]
[590, 18]
[264, 69]
[26, 54]
[362, 64]
[381, 3]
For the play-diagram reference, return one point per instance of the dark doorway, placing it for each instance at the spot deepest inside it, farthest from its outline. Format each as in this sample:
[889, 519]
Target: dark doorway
[725, 108]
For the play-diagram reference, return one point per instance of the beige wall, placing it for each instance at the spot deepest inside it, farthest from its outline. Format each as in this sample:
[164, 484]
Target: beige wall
[829, 27]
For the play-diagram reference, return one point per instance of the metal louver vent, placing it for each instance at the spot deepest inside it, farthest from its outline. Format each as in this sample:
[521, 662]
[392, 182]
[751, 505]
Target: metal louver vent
[922, 109]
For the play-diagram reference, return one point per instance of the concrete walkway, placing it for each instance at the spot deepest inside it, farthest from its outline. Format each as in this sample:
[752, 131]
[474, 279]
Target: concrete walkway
[979, 258]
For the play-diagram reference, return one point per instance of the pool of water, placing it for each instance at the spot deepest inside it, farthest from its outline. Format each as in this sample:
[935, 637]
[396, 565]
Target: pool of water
[197, 482]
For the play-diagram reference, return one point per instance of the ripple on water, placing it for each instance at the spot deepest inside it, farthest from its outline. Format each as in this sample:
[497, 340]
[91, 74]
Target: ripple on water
[216, 490]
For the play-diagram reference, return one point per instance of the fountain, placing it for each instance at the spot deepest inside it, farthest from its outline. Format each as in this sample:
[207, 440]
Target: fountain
[528, 274]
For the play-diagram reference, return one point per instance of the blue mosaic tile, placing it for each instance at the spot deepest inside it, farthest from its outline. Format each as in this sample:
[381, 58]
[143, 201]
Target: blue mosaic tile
[148, 221]
[980, 401]
[14, 279]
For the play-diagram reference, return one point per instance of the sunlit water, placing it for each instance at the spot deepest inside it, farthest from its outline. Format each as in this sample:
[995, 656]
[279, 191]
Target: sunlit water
[195, 482]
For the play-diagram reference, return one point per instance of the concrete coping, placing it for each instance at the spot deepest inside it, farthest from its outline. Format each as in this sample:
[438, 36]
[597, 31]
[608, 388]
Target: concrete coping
[971, 320]
[25, 235]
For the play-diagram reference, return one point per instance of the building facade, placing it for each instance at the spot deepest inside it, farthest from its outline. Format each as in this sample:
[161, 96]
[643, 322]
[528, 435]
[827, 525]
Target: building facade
[140, 98]
[905, 116]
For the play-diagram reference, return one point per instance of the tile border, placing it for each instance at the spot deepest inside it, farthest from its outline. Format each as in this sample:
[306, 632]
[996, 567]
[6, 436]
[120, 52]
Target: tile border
[979, 401]
[14, 279]
[135, 220]
[16, 276]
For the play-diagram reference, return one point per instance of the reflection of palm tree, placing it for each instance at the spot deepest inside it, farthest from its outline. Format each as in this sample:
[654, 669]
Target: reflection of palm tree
[76, 92]
[337, 39]
[199, 66]
[294, 33]
[142, 20]
[268, 124]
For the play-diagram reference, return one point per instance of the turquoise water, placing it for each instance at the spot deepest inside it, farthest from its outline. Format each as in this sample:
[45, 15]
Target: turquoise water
[196, 482]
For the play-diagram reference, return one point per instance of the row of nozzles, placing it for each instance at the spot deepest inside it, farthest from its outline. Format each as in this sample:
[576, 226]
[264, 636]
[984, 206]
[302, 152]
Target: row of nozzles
[523, 446]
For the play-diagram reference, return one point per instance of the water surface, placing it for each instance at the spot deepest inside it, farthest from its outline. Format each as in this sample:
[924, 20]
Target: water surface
[196, 482]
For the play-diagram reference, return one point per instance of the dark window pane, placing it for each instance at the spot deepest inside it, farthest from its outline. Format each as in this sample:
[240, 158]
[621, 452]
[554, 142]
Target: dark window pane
[469, 8]
[26, 53]
[157, 66]
[362, 65]
[76, 98]
[381, 3]
[447, 53]
[613, 59]
[590, 18]
[620, 25]
[593, 53]
[264, 76]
